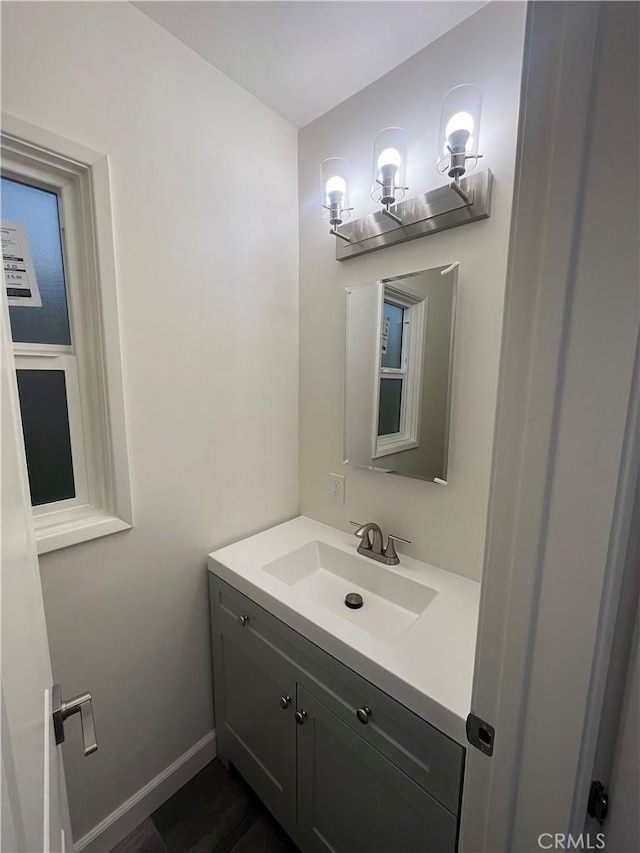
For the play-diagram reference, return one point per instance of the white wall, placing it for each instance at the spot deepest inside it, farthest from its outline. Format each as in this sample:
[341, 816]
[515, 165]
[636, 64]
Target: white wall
[207, 282]
[446, 525]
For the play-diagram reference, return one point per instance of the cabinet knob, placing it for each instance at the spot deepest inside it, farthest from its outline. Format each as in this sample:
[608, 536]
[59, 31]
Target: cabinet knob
[285, 701]
[363, 714]
[300, 716]
[243, 620]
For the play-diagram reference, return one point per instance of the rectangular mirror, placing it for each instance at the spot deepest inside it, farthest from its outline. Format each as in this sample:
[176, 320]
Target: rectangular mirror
[399, 365]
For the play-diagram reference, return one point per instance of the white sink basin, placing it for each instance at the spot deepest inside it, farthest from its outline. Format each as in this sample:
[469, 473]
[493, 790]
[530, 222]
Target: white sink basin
[391, 602]
[414, 637]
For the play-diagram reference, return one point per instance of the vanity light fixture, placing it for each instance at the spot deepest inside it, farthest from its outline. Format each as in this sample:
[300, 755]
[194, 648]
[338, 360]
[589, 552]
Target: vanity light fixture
[334, 193]
[459, 134]
[466, 198]
[389, 169]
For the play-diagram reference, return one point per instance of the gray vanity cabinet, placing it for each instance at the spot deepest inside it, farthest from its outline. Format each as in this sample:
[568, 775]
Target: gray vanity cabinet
[351, 799]
[254, 707]
[292, 720]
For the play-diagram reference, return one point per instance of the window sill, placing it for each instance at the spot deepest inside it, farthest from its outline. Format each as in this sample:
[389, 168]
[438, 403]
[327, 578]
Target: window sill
[59, 530]
[395, 446]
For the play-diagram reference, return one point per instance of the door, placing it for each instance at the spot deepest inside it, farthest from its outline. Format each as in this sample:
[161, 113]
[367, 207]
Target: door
[567, 428]
[351, 799]
[622, 827]
[34, 802]
[616, 762]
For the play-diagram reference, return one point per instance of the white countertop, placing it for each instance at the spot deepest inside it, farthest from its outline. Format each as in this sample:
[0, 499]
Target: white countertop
[429, 668]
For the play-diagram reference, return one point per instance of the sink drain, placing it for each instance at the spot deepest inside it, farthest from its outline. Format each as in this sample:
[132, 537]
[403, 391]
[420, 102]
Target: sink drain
[353, 600]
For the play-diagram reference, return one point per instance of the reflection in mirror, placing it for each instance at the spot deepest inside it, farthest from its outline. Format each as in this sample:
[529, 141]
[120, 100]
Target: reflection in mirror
[399, 363]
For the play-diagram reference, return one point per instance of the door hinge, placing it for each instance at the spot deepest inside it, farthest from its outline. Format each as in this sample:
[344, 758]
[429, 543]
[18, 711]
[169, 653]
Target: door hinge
[480, 734]
[598, 804]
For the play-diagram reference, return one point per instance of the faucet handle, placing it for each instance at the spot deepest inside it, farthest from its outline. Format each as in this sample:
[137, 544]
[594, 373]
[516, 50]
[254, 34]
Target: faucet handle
[399, 539]
[390, 550]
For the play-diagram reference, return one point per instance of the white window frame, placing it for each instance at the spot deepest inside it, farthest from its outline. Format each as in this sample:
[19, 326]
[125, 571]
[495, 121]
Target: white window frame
[413, 339]
[80, 177]
[68, 364]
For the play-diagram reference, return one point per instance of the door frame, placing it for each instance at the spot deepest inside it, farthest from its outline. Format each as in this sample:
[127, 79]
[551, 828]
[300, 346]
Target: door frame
[561, 69]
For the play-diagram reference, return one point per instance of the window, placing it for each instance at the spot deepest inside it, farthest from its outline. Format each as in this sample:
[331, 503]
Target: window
[59, 274]
[400, 377]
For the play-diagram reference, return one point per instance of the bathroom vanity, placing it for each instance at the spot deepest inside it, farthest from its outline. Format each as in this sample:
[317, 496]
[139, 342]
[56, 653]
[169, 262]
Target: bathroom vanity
[349, 724]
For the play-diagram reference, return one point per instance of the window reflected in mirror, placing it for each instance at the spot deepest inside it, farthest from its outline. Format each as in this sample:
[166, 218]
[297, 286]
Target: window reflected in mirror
[399, 359]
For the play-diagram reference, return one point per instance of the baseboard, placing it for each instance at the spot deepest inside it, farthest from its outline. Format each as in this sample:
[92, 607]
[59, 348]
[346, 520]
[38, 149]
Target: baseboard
[144, 802]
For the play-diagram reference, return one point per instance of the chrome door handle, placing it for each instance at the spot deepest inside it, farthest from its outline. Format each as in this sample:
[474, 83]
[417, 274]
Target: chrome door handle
[243, 620]
[62, 709]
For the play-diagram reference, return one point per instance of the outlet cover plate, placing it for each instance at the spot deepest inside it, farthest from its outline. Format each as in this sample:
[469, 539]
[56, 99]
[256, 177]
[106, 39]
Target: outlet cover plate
[336, 488]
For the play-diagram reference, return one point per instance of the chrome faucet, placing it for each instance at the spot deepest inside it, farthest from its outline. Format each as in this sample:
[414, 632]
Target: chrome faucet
[372, 543]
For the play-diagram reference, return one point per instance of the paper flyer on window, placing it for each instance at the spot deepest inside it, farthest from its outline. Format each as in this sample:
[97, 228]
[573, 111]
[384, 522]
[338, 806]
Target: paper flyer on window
[19, 274]
[385, 337]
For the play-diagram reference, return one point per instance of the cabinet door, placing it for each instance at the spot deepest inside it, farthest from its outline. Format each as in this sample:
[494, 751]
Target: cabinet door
[351, 799]
[253, 729]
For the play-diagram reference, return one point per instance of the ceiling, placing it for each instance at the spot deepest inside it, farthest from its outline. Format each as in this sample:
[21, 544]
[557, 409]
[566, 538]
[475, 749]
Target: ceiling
[303, 58]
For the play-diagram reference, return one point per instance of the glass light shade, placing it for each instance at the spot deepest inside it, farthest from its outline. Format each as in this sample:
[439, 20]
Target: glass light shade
[459, 125]
[389, 165]
[334, 188]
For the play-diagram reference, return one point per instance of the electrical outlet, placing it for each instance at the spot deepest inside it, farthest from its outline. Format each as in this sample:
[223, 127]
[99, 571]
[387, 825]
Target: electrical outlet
[336, 488]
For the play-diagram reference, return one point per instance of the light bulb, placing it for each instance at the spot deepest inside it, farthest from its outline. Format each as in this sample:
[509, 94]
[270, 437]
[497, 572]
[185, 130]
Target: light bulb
[459, 129]
[336, 184]
[389, 157]
[459, 121]
[389, 163]
[458, 132]
[445, 147]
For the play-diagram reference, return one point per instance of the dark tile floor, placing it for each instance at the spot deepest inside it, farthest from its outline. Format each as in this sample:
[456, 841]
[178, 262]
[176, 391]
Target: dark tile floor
[216, 812]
